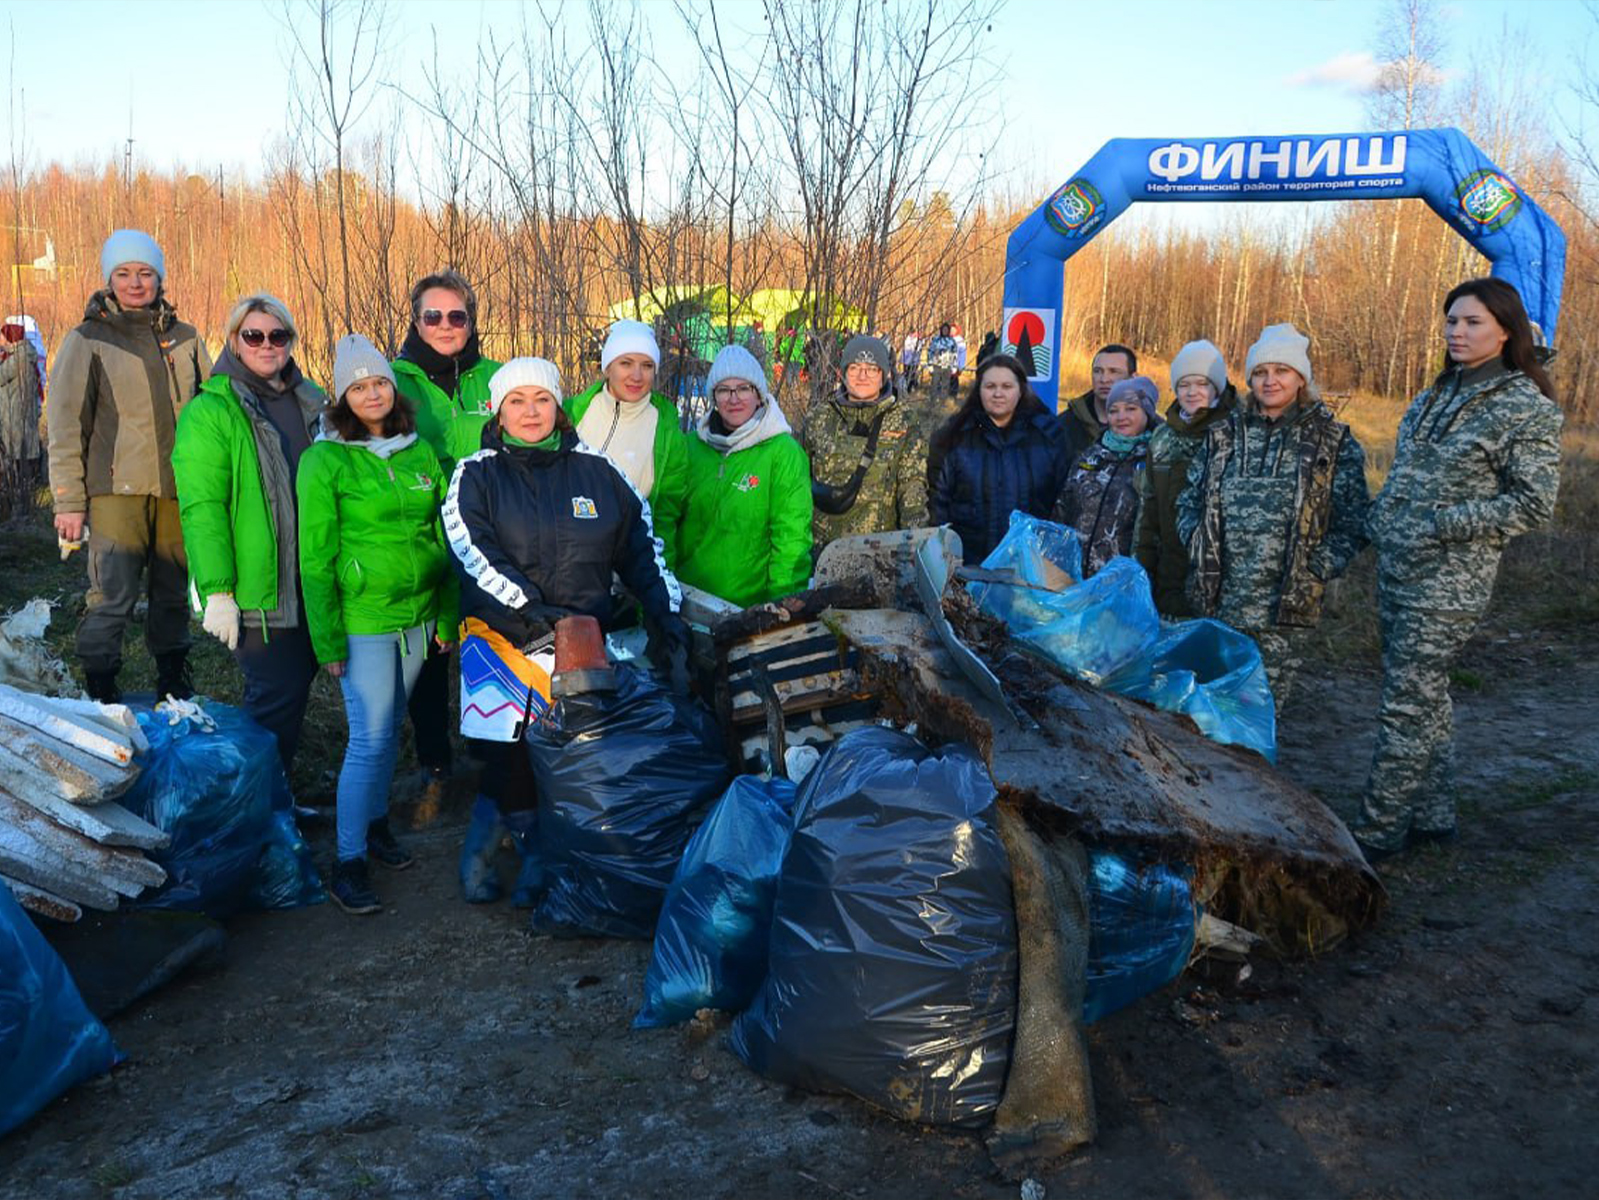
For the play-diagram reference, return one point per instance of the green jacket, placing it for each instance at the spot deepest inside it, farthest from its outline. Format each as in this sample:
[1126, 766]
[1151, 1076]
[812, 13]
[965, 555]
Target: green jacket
[1477, 462]
[1156, 545]
[230, 531]
[671, 465]
[746, 531]
[372, 549]
[452, 425]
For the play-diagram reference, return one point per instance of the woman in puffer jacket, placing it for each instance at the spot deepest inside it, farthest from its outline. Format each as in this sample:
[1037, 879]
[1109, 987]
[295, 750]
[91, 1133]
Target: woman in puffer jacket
[538, 523]
[1001, 453]
[1100, 499]
[378, 589]
[746, 531]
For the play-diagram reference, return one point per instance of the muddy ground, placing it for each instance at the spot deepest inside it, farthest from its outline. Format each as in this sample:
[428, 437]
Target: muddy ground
[440, 1051]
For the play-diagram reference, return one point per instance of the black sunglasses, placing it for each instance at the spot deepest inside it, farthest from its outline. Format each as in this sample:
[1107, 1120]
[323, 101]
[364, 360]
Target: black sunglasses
[254, 337]
[456, 317]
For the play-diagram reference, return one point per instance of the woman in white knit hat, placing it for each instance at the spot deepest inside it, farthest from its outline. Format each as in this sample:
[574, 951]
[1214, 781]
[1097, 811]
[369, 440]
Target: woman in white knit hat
[636, 427]
[1202, 397]
[1275, 506]
[747, 514]
[538, 522]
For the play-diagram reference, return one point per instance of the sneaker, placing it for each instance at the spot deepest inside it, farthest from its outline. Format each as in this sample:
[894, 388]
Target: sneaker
[351, 889]
[382, 845]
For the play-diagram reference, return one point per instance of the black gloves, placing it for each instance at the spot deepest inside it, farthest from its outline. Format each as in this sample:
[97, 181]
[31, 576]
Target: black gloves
[540, 618]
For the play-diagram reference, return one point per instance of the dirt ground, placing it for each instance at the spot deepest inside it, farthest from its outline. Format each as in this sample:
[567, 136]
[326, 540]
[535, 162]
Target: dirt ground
[441, 1051]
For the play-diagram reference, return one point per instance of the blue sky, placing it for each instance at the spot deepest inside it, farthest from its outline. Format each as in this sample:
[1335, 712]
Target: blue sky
[205, 83]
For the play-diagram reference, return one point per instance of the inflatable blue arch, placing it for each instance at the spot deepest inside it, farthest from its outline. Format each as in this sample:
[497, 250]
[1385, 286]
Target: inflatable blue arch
[1441, 166]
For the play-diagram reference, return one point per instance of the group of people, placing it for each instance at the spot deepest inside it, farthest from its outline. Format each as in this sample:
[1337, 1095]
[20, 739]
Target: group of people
[443, 499]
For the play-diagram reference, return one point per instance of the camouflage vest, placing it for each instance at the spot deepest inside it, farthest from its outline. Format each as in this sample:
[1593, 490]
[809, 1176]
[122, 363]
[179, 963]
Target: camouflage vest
[1299, 602]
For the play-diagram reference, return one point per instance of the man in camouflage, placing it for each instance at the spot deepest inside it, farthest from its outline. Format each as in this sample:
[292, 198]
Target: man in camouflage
[1477, 462]
[868, 455]
[1275, 507]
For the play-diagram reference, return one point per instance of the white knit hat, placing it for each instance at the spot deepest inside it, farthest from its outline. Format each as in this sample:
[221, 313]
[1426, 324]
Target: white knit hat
[735, 362]
[629, 337]
[1200, 358]
[523, 372]
[1286, 345]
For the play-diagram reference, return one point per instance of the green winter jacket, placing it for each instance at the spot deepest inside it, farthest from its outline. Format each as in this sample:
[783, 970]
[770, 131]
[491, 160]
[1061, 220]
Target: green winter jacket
[1477, 462]
[372, 549]
[229, 531]
[671, 465]
[452, 425]
[746, 531]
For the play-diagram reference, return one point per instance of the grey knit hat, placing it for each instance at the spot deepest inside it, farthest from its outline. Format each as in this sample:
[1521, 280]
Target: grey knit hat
[735, 362]
[1140, 389]
[863, 348]
[1200, 358]
[354, 359]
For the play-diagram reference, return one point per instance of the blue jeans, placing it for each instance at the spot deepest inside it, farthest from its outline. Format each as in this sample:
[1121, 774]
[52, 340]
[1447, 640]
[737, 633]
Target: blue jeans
[378, 675]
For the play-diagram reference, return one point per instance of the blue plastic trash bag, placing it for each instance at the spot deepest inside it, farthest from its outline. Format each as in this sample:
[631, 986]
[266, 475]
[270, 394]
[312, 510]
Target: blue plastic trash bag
[623, 779]
[49, 1041]
[1090, 628]
[214, 782]
[1210, 672]
[1141, 930]
[710, 942]
[891, 972]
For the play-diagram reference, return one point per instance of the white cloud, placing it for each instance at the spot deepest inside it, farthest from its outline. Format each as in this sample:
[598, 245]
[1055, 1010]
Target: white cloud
[1353, 70]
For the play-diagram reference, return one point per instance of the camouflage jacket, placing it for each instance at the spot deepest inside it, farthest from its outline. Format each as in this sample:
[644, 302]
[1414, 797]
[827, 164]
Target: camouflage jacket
[1100, 501]
[1272, 511]
[893, 489]
[1156, 545]
[1477, 462]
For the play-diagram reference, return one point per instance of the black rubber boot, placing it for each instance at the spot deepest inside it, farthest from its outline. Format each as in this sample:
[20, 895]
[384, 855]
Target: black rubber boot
[172, 676]
[102, 686]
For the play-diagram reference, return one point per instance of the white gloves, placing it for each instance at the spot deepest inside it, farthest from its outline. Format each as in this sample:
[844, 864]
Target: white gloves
[221, 619]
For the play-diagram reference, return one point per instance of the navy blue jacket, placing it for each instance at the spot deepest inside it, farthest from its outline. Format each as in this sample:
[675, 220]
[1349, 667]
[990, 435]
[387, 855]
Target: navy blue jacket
[977, 474]
[531, 527]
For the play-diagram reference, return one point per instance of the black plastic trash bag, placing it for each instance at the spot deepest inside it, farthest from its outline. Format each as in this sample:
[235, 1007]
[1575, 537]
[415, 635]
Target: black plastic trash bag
[49, 1041]
[710, 943]
[214, 782]
[1141, 930]
[623, 778]
[892, 968]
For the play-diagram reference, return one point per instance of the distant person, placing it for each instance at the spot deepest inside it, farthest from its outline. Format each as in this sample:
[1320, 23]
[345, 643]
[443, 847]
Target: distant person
[1100, 499]
[30, 332]
[989, 348]
[1275, 506]
[20, 451]
[238, 449]
[539, 522]
[868, 456]
[746, 531]
[121, 379]
[1477, 462]
[1083, 418]
[1001, 453]
[443, 375]
[943, 363]
[379, 590]
[910, 360]
[636, 427]
[1202, 397]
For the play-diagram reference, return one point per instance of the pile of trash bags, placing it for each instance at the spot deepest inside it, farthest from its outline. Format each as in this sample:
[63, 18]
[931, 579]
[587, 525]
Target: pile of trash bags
[623, 776]
[49, 1040]
[1105, 631]
[212, 779]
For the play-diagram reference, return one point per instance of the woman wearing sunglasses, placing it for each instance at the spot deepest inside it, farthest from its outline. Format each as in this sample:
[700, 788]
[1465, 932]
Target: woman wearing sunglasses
[746, 531]
[235, 456]
[443, 376]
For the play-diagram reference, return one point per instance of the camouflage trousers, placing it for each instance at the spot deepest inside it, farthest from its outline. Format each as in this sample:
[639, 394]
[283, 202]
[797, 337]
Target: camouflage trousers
[1411, 785]
[1282, 653]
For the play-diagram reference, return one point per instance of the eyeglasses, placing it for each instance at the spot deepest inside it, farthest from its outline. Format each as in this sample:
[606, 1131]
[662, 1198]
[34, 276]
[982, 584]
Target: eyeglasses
[432, 317]
[735, 391]
[279, 337]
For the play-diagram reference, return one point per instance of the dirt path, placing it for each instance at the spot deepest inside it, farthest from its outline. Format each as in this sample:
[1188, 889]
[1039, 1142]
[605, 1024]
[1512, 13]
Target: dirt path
[439, 1051]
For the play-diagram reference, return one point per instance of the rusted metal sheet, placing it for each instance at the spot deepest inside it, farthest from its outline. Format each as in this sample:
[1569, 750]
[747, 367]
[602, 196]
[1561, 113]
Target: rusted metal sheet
[42, 902]
[63, 722]
[58, 768]
[109, 824]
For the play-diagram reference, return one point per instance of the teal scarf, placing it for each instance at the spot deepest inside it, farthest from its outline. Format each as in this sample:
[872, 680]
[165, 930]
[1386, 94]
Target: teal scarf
[552, 442]
[1123, 445]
